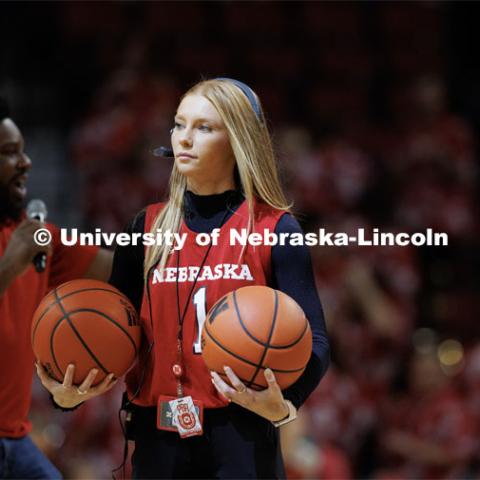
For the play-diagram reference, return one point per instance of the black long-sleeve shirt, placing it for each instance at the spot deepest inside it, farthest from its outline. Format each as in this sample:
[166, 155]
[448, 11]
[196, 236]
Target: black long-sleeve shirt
[291, 270]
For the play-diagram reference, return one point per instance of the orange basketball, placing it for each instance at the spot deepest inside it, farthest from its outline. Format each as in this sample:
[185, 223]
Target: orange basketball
[254, 328]
[88, 323]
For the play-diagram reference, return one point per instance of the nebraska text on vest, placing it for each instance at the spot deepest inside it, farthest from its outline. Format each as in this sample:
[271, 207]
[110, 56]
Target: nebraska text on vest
[226, 271]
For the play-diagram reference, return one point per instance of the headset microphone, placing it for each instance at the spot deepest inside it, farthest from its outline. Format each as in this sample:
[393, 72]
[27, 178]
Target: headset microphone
[163, 152]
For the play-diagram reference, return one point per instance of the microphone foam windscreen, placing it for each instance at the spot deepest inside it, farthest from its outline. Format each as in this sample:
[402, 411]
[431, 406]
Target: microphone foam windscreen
[36, 209]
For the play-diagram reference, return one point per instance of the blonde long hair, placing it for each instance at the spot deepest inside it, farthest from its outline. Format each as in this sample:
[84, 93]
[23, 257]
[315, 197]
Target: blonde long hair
[255, 163]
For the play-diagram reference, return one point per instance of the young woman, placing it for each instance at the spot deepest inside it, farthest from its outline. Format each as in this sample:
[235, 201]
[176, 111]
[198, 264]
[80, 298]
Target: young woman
[224, 177]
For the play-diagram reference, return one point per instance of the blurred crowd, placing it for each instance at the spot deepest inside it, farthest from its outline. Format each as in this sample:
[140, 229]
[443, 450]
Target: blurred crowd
[372, 143]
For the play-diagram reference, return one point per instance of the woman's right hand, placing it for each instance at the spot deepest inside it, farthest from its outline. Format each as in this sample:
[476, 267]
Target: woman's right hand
[67, 395]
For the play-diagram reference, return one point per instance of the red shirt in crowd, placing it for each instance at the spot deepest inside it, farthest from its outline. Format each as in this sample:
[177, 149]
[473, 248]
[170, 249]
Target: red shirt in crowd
[439, 419]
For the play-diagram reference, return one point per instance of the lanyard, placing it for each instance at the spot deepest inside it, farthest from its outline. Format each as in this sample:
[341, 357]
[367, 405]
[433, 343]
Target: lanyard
[178, 369]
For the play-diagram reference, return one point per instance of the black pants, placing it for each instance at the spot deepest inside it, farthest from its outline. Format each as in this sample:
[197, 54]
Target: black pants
[235, 444]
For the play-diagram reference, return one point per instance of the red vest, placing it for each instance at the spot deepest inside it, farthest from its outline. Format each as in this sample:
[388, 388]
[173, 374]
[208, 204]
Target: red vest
[224, 270]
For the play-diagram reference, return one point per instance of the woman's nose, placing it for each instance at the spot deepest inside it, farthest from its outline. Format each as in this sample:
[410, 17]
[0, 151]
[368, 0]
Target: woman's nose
[186, 137]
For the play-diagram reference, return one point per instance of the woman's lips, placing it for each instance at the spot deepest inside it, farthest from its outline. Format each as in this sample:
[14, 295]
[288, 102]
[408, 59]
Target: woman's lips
[186, 155]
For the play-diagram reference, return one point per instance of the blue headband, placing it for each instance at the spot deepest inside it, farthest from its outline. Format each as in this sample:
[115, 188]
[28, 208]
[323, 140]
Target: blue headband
[248, 93]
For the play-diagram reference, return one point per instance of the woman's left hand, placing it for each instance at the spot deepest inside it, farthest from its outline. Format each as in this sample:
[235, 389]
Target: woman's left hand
[268, 403]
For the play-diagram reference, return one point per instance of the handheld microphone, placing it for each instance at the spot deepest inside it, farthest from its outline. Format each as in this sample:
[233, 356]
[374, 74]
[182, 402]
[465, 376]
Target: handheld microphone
[37, 210]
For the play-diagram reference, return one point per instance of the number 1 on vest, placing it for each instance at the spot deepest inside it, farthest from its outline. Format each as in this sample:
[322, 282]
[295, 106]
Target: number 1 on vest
[199, 300]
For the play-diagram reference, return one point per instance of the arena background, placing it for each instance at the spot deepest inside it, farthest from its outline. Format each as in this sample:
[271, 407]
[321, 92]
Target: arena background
[375, 111]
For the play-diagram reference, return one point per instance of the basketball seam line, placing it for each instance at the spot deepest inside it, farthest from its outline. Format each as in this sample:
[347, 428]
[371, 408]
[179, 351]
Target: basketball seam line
[40, 318]
[65, 296]
[248, 362]
[102, 314]
[270, 335]
[88, 289]
[225, 377]
[52, 351]
[256, 340]
[69, 321]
